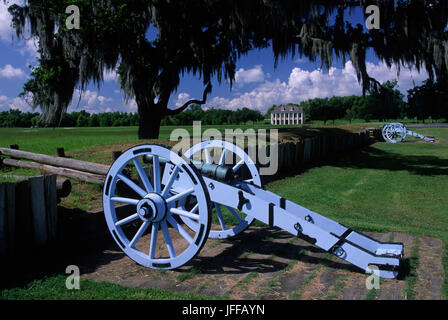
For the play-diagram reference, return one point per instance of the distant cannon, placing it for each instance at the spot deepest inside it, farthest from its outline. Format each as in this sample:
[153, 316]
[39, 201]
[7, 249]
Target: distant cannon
[396, 132]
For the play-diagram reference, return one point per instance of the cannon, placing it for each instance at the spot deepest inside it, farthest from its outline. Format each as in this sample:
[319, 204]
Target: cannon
[396, 132]
[203, 194]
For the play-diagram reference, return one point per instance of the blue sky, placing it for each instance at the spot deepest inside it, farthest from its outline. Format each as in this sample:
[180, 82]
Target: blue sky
[257, 84]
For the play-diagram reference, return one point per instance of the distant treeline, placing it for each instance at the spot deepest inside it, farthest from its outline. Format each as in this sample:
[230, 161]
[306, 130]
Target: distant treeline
[16, 118]
[427, 100]
[214, 116]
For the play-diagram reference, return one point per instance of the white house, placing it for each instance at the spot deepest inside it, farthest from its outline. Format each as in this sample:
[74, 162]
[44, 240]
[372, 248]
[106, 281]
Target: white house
[288, 115]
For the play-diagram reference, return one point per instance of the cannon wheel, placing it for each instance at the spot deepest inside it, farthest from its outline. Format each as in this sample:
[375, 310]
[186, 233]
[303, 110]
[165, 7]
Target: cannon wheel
[225, 150]
[394, 132]
[153, 207]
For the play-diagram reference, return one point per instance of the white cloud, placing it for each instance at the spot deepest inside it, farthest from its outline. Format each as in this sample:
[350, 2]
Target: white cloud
[110, 75]
[131, 106]
[9, 72]
[181, 99]
[303, 85]
[253, 75]
[17, 103]
[89, 101]
[5, 21]
[92, 102]
[7, 34]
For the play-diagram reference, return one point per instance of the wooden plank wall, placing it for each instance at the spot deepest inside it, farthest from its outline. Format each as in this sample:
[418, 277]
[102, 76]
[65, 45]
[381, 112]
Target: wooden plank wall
[28, 214]
[314, 149]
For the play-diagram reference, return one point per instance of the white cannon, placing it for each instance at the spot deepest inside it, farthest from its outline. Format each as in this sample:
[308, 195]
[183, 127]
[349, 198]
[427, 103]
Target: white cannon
[180, 197]
[396, 132]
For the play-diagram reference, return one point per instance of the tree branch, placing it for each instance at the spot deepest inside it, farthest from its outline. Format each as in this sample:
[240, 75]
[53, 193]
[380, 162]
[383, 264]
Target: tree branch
[207, 90]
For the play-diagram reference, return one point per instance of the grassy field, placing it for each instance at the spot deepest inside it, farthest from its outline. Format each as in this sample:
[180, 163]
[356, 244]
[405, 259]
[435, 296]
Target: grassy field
[402, 187]
[46, 140]
[384, 187]
[52, 288]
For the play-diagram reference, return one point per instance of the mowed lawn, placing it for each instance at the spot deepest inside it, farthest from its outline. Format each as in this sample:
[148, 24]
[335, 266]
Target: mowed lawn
[384, 187]
[46, 140]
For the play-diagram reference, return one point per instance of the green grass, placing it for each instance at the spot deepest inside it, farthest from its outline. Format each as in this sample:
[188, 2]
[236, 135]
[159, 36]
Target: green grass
[188, 275]
[412, 277]
[372, 294]
[445, 267]
[53, 288]
[247, 279]
[385, 187]
[337, 288]
[46, 140]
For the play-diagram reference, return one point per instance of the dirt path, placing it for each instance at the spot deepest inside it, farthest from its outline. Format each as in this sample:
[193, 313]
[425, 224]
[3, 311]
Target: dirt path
[263, 263]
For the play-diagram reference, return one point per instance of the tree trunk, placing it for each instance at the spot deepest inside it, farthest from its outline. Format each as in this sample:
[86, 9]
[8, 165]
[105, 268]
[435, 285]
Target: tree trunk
[150, 117]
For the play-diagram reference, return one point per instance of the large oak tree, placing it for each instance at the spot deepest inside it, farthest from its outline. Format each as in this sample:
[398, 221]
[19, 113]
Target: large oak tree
[154, 42]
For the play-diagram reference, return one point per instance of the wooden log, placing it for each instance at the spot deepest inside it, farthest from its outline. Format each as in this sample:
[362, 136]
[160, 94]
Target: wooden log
[51, 207]
[116, 154]
[3, 221]
[307, 150]
[64, 172]
[299, 153]
[63, 185]
[63, 188]
[7, 207]
[11, 217]
[317, 143]
[289, 155]
[84, 166]
[281, 156]
[324, 146]
[23, 219]
[60, 152]
[292, 145]
[39, 216]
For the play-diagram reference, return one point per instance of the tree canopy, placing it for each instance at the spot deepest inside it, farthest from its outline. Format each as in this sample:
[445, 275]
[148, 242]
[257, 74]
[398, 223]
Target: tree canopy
[206, 38]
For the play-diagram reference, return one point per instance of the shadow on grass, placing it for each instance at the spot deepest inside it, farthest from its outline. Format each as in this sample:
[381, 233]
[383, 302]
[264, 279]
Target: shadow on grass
[373, 158]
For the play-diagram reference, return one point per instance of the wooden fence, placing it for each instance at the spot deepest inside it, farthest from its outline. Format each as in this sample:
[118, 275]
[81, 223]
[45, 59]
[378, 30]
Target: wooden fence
[308, 150]
[28, 214]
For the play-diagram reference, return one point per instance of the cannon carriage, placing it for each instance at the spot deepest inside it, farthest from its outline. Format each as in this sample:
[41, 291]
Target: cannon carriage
[183, 196]
[396, 132]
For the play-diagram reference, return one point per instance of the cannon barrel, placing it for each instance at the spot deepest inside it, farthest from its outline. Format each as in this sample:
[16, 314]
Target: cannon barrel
[211, 170]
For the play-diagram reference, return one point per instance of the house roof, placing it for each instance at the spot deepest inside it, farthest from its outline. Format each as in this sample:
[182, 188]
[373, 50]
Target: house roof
[288, 108]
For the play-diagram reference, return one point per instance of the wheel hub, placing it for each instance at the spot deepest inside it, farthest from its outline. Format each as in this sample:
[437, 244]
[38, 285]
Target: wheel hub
[152, 208]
